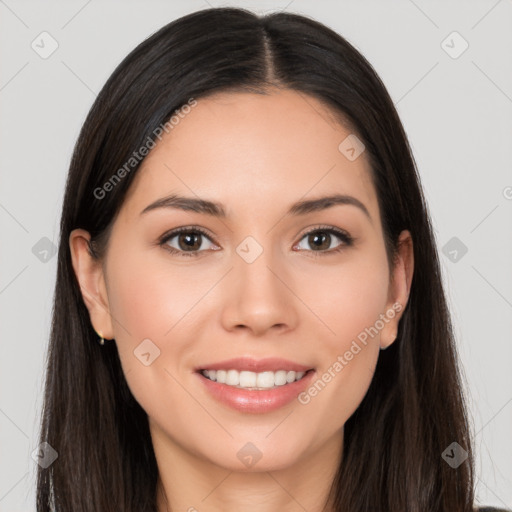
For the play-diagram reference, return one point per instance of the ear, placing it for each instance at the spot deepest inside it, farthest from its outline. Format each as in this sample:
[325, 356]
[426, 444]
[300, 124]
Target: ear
[399, 290]
[89, 273]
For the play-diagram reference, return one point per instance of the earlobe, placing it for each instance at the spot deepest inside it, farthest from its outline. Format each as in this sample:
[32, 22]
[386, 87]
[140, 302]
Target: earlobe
[400, 288]
[89, 274]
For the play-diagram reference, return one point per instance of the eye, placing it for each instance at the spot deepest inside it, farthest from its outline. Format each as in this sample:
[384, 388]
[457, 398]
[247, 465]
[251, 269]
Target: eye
[321, 238]
[188, 241]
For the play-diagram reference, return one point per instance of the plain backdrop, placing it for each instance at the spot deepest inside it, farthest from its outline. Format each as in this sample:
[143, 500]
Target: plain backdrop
[456, 106]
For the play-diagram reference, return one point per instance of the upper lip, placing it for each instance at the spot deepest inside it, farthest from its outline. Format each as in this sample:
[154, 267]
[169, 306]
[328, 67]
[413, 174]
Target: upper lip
[272, 364]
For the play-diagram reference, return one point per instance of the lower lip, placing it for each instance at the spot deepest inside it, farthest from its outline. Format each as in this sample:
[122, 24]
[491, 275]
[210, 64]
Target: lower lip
[253, 401]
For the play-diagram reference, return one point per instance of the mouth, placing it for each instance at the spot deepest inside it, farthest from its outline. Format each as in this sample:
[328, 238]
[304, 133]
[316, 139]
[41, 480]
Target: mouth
[250, 380]
[255, 386]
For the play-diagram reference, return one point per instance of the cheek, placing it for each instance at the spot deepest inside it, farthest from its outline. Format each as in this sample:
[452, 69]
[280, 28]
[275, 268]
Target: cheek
[350, 298]
[152, 305]
[139, 298]
[146, 300]
[149, 293]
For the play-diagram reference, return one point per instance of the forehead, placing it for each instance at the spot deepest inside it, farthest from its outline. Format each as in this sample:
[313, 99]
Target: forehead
[253, 151]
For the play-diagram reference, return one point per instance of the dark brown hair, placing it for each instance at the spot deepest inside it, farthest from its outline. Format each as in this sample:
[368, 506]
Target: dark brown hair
[414, 408]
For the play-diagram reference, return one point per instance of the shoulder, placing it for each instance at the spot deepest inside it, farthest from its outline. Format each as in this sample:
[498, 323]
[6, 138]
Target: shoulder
[491, 509]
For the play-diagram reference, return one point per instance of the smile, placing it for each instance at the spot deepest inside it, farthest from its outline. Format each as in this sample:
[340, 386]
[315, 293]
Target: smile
[255, 392]
[252, 380]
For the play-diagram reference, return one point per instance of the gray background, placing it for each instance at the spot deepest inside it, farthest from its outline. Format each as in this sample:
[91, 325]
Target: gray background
[457, 113]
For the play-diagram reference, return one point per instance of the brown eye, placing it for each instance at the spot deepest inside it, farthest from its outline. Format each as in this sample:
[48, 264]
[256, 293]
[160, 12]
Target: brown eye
[187, 241]
[323, 240]
[320, 240]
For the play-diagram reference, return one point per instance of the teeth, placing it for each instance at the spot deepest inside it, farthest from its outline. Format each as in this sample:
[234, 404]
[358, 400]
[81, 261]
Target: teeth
[252, 380]
[232, 378]
[248, 379]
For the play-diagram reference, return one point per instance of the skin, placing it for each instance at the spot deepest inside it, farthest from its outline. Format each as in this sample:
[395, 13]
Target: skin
[255, 154]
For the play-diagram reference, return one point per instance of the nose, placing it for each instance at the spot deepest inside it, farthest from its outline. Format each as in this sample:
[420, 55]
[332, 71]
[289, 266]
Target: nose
[259, 296]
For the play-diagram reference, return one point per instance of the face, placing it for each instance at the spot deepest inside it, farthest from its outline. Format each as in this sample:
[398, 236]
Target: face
[285, 292]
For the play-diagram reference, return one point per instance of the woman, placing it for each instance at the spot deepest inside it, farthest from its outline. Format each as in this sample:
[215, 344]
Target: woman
[244, 224]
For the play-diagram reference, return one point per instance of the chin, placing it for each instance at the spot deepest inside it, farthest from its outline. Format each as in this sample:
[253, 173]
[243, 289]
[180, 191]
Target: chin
[258, 455]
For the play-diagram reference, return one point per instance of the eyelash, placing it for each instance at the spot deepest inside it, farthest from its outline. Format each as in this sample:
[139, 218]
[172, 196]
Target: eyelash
[343, 235]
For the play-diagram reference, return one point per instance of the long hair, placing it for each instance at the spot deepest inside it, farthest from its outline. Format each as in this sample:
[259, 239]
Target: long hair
[414, 408]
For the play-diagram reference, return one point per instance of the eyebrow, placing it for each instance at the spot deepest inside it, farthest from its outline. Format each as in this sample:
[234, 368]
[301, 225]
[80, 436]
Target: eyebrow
[203, 206]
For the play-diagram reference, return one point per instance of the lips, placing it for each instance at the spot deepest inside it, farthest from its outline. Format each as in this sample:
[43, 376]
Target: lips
[256, 400]
[240, 364]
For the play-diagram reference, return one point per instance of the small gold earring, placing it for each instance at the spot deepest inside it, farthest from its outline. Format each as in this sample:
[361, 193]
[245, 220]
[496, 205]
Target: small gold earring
[101, 340]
